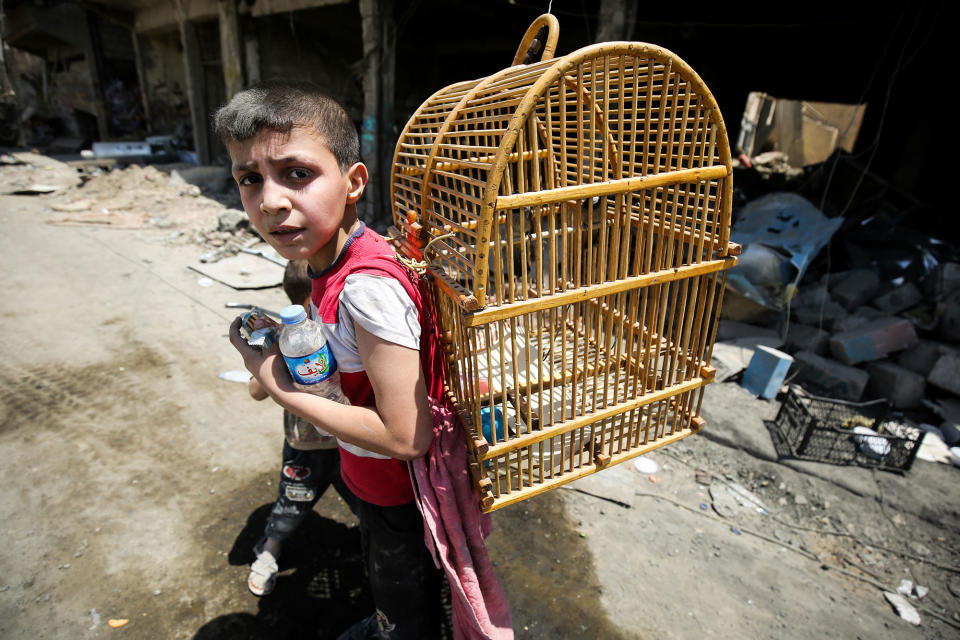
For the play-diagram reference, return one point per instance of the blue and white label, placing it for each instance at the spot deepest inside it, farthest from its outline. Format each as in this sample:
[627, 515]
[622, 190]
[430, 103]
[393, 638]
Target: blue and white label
[313, 368]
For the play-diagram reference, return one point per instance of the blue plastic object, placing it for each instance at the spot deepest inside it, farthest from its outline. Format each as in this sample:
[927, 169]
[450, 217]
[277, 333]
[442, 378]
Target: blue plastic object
[485, 423]
[766, 372]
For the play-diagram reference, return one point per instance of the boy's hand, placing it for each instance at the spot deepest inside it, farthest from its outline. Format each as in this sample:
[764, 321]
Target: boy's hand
[266, 365]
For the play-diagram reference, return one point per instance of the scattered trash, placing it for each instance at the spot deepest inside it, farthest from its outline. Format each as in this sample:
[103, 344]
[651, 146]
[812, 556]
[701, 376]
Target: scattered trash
[205, 282]
[701, 476]
[723, 502]
[905, 588]
[747, 499]
[95, 617]
[736, 531]
[235, 376]
[645, 465]
[116, 623]
[654, 479]
[920, 591]
[870, 443]
[904, 609]
[703, 506]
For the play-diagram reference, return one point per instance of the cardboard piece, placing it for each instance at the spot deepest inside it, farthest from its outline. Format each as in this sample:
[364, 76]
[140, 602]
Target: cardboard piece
[808, 132]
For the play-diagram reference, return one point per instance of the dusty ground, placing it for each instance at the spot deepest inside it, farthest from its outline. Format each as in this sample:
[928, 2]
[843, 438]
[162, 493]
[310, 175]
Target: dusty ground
[135, 481]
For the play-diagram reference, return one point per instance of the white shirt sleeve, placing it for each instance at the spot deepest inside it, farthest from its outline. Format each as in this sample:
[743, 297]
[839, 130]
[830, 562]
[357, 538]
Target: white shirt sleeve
[381, 306]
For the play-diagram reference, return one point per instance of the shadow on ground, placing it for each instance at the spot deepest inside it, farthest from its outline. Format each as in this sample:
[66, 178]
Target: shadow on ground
[321, 589]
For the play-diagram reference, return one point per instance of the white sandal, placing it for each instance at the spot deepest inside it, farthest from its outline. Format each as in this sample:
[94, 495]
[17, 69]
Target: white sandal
[263, 574]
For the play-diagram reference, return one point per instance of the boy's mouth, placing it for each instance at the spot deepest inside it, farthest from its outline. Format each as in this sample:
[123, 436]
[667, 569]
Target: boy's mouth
[285, 232]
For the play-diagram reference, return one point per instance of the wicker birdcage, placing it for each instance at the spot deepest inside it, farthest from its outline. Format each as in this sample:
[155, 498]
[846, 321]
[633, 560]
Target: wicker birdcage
[578, 213]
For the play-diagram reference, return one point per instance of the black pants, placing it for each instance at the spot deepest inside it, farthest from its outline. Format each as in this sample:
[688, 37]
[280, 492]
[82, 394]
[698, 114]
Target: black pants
[404, 581]
[303, 479]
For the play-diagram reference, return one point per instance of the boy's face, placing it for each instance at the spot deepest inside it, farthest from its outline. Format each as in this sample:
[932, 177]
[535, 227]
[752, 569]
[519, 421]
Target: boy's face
[295, 194]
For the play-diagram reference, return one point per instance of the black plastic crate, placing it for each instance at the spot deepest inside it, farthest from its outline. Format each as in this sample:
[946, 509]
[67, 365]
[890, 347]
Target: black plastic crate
[822, 430]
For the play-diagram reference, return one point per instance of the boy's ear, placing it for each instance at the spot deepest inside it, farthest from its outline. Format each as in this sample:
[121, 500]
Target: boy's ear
[356, 179]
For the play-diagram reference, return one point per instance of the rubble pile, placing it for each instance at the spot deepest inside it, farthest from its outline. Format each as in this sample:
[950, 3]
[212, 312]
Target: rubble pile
[198, 204]
[863, 308]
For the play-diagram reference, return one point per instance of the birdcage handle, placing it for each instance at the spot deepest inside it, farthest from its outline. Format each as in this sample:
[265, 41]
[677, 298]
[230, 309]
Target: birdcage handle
[540, 36]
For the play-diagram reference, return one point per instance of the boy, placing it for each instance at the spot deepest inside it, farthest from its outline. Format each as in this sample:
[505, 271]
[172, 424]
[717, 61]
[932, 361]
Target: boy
[296, 160]
[311, 463]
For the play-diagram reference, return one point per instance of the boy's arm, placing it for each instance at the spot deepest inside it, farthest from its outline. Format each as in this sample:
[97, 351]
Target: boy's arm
[400, 426]
[257, 392]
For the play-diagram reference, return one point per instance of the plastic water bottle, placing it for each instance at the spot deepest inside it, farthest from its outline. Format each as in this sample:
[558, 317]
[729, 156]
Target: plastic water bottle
[308, 356]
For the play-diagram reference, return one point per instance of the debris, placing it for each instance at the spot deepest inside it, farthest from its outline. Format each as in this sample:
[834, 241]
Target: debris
[95, 618]
[766, 372]
[946, 373]
[723, 501]
[808, 131]
[701, 476]
[205, 282]
[920, 592]
[904, 609]
[116, 623]
[645, 465]
[235, 376]
[905, 587]
[780, 234]
[231, 220]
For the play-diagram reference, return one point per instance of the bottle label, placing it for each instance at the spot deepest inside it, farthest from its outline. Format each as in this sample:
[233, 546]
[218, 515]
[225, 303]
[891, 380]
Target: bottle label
[313, 368]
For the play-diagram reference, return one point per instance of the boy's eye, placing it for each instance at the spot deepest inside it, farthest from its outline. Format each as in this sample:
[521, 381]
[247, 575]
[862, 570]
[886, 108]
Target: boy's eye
[247, 180]
[298, 174]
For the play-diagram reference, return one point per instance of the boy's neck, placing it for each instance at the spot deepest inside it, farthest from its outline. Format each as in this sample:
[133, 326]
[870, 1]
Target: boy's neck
[324, 257]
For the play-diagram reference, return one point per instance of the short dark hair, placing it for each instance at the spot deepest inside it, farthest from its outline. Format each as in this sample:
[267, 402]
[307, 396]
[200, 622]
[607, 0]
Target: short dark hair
[296, 283]
[280, 106]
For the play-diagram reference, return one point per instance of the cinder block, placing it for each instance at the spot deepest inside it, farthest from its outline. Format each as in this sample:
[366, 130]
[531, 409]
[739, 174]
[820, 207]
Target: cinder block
[902, 387]
[946, 373]
[830, 377]
[816, 316]
[730, 330]
[921, 357]
[857, 288]
[943, 279]
[766, 371]
[900, 299]
[948, 324]
[873, 341]
[801, 337]
[811, 296]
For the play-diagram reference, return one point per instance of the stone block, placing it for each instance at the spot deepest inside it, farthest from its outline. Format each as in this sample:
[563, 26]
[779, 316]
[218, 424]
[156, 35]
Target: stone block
[874, 340]
[730, 330]
[801, 337]
[857, 288]
[900, 299]
[948, 319]
[943, 279]
[921, 357]
[830, 377]
[811, 296]
[902, 387]
[946, 373]
[830, 314]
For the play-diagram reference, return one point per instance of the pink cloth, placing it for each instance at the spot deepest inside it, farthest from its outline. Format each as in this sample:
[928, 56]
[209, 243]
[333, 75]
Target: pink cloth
[454, 531]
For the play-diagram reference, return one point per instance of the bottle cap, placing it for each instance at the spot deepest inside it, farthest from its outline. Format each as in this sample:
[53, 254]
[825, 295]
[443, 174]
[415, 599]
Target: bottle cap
[293, 314]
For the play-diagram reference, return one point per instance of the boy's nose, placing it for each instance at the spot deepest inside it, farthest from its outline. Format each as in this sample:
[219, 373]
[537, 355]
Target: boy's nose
[275, 198]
